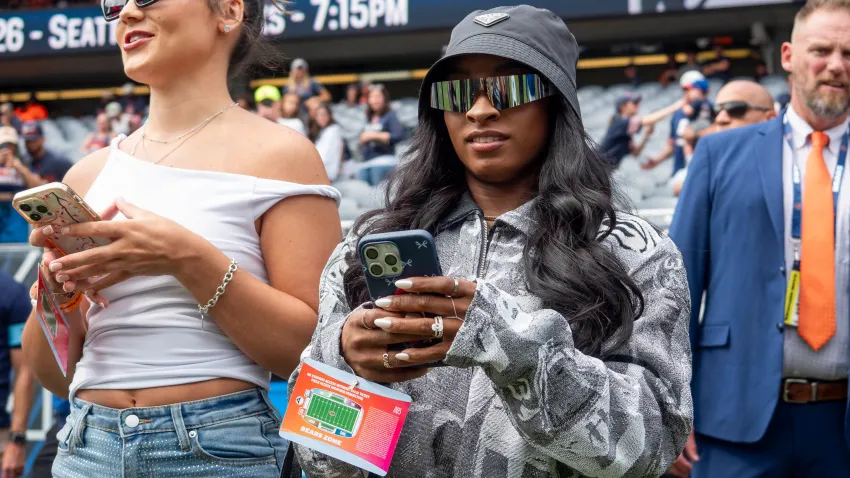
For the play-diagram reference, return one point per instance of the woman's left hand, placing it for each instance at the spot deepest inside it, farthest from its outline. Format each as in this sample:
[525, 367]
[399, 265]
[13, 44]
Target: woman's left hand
[144, 245]
[430, 295]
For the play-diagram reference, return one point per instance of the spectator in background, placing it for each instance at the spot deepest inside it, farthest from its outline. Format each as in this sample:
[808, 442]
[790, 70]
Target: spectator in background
[8, 118]
[617, 143]
[696, 108]
[131, 103]
[118, 119]
[352, 96]
[691, 63]
[760, 70]
[739, 103]
[100, 138]
[301, 84]
[378, 139]
[365, 87]
[15, 308]
[269, 106]
[631, 74]
[49, 165]
[290, 111]
[32, 111]
[719, 67]
[14, 177]
[327, 136]
[670, 72]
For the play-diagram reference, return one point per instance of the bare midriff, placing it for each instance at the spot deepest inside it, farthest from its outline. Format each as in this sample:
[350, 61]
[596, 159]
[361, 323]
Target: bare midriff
[158, 396]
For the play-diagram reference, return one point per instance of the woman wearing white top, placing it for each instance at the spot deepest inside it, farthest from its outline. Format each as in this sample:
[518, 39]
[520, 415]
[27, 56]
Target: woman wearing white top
[156, 387]
[327, 136]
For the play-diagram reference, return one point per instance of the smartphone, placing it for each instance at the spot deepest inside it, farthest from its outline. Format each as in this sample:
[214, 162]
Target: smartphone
[57, 205]
[391, 256]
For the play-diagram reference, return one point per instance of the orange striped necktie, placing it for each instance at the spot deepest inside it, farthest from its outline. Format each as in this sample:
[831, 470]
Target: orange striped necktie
[817, 255]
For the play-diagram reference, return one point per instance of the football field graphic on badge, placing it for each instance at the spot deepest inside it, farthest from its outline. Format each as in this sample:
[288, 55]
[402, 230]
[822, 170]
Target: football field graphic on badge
[333, 413]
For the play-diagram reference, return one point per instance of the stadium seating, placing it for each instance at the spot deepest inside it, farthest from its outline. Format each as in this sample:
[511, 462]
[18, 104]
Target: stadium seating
[638, 189]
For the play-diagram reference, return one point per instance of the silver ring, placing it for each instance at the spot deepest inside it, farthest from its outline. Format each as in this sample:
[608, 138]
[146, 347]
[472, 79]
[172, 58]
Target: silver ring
[387, 361]
[456, 288]
[437, 327]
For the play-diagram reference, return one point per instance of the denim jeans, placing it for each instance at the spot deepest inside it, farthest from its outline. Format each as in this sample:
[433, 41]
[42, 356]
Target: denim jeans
[233, 435]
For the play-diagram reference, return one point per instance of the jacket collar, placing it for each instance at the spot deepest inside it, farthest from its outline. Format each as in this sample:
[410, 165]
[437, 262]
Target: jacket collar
[519, 218]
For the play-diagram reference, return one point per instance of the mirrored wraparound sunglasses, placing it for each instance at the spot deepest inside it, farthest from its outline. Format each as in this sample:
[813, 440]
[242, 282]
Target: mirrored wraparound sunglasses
[737, 109]
[112, 8]
[503, 92]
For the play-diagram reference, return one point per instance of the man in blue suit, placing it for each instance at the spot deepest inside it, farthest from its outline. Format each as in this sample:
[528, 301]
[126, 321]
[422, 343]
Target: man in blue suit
[766, 237]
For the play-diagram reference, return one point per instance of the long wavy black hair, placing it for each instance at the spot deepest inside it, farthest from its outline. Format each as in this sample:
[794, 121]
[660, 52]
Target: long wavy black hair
[566, 264]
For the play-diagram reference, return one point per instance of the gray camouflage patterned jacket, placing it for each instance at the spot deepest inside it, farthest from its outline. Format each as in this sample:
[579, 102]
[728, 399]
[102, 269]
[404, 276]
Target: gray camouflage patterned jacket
[518, 400]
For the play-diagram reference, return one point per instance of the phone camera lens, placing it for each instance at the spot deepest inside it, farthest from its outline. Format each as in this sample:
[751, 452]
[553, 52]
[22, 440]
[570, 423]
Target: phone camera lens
[376, 270]
[372, 253]
[26, 207]
[391, 259]
[35, 217]
[41, 209]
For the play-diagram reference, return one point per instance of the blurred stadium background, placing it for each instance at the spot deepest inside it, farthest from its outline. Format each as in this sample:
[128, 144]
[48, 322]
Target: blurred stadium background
[63, 54]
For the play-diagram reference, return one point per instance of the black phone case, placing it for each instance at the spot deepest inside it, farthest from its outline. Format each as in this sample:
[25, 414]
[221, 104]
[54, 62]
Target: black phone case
[419, 256]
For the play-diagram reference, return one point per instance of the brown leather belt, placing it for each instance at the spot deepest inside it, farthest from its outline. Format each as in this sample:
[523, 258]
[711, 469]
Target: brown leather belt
[800, 390]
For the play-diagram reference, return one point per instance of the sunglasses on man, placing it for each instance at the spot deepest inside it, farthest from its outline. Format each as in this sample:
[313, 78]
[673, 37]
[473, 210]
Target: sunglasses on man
[112, 8]
[503, 92]
[737, 109]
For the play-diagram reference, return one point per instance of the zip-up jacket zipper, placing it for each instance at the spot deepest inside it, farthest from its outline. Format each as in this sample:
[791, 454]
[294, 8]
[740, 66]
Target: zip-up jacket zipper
[485, 242]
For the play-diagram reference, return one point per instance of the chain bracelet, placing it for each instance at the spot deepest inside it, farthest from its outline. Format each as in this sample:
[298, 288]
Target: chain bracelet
[228, 276]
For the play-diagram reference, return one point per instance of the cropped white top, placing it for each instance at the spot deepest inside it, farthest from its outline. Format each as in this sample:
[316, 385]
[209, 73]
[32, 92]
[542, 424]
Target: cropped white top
[151, 333]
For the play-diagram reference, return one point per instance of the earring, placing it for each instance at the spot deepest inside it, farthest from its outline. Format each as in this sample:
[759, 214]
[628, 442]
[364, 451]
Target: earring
[227, 28]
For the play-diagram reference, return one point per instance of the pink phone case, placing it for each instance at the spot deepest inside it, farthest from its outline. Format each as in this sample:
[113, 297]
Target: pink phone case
[55, 204]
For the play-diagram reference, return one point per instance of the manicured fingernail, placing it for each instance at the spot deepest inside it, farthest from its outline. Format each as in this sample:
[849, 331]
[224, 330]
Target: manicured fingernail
[68, 287]
[65, 230]
[384, 302]
[55, 266]
[47, 230]
[62, 278]
[102, 305]
[404, 284]
[403, 357]
[384, 323]
[34, 303]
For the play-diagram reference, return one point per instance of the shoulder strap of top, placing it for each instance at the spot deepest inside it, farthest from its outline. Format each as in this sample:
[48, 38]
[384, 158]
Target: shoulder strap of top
[268, 192]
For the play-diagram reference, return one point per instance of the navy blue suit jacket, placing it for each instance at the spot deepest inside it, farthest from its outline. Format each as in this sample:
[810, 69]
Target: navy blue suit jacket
[729, 225]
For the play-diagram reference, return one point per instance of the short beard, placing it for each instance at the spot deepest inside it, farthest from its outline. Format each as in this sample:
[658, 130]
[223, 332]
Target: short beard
[822, 107]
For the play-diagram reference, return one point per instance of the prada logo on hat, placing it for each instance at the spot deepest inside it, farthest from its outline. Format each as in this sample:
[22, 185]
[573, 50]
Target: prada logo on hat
[490, 19]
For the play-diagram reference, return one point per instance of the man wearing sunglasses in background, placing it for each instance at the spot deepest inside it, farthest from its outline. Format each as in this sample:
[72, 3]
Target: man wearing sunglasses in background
[739, 103]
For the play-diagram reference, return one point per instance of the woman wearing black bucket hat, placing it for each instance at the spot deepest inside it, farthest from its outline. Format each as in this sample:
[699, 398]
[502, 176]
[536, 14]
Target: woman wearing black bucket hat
[564, 323]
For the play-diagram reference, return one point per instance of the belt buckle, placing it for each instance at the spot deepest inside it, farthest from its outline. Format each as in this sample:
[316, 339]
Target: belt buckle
[789, 381]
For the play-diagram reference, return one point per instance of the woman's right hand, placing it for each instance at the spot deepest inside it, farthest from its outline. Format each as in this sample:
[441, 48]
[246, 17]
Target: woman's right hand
[363, 346]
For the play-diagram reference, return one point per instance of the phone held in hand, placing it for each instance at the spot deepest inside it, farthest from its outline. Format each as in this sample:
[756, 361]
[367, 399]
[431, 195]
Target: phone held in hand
[57, 205]
[391, 256]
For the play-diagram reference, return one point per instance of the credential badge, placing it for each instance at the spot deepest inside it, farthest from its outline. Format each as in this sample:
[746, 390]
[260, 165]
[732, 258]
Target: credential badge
[490, 19]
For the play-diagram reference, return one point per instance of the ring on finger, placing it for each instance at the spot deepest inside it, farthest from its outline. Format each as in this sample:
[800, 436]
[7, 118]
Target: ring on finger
[363, 321]
[437, 327]
[386, 358]
[455, 289]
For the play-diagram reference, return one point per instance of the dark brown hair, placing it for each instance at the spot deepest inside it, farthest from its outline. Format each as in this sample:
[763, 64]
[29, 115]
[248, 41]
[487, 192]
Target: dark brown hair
[386, 109]
[252, 48]
[313, 130]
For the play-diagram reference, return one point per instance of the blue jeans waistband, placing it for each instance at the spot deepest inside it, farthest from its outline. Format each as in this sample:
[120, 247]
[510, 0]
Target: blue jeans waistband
[185, 415]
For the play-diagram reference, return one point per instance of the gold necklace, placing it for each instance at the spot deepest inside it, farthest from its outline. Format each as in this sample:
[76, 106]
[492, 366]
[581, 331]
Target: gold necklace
[185, 137]
[199, 126]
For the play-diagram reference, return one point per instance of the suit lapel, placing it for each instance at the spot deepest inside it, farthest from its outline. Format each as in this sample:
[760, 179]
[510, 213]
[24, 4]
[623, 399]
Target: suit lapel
[768, 149]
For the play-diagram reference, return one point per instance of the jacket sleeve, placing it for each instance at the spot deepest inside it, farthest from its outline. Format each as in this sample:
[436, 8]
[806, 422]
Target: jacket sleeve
[324, 347]
[627, 415]
[394, 128]
[690, 228]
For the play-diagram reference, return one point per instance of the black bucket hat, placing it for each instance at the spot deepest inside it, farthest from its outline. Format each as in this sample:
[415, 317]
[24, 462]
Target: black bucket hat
[532, 36]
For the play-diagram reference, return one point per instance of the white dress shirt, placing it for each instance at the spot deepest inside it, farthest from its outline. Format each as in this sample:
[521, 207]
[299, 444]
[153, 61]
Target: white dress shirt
[800, 360]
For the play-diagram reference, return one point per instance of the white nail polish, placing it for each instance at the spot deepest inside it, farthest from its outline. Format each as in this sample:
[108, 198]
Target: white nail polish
[34, 303]
[403, 357]
[55, 266]
[404, 284]
[65, 230]
[47, 230]
[383, 323]
[384, 302]
[102, 305]
[62, 278]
